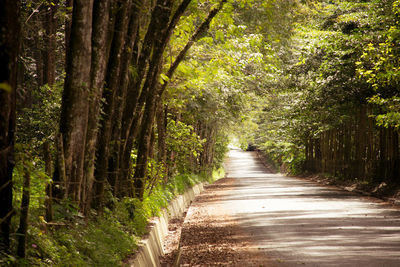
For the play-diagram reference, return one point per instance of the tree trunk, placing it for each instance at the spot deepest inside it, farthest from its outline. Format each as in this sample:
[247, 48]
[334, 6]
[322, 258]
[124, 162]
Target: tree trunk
[68, 24]
[48, 171]
[49, 77]
[161, 130]
[9, 49]
[38, 52]
[109, 95]
[154, 91]
[49, 66]
[362, 140]
[23, 222]
[60, 182]
[382, 155]
[101, 36]
[144, 149]
[347, 151]
[154, 39]
[128, 53]
[75, 100]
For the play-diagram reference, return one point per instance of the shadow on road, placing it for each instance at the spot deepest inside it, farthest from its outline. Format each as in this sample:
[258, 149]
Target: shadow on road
[299, 222]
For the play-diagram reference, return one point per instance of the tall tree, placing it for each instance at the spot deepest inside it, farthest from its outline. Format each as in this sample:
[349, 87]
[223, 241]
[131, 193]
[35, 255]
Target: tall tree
[162, 31]
[109, 94]
[9, 49]
[101, 37]
[129, 55]
[155, 91]
[75, 100]
[50, 25]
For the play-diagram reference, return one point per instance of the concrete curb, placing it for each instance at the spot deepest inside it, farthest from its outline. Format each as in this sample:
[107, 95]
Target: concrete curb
[151, 247]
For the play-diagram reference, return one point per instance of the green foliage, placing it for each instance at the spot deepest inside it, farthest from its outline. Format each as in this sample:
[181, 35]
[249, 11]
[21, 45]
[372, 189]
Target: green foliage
[39, 179]
[135, 214]
[389, 115]
[39, 123]
[221, 148]
[275, 73]
[184, 142]
[284, 154]
[156, 173]
[314, 85]
[181, 182]
[105, 240]
[379, 65]
[71, 241]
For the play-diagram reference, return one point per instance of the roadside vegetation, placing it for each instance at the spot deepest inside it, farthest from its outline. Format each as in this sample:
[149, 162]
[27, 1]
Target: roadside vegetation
[331, 107]
[109, 109]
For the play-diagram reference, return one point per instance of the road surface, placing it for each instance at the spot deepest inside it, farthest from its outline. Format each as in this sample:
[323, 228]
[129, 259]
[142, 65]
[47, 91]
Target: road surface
[300, 223]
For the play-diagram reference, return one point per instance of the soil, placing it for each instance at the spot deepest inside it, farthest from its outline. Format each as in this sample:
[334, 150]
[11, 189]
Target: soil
[209, 236]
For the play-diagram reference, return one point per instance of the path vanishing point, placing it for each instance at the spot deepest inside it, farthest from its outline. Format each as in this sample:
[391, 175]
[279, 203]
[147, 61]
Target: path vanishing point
[295, 222]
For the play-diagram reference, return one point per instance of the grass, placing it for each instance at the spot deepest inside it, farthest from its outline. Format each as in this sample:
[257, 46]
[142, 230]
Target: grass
[103, 240]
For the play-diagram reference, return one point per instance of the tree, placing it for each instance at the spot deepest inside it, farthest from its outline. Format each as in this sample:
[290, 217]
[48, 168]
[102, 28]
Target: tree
[110, 94]
[155, 93]
[75, 102]
[379, 66]
[100, 53]
[9, 49]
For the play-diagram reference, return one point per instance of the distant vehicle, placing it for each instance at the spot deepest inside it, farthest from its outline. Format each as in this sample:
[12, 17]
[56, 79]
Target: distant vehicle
[251, 147]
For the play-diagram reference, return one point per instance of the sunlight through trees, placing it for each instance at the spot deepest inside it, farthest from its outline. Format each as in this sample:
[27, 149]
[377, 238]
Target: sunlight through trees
[117, 105]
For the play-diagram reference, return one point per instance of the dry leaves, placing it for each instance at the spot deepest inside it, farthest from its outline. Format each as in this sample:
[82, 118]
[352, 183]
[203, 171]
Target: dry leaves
[210, 237]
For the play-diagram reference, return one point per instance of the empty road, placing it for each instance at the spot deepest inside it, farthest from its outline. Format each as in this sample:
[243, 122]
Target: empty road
[300, 223]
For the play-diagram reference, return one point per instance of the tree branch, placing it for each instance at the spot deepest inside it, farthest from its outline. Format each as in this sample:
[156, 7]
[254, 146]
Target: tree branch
[200, 30]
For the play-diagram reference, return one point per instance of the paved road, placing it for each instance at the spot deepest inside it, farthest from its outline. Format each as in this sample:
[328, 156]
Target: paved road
[300, 223]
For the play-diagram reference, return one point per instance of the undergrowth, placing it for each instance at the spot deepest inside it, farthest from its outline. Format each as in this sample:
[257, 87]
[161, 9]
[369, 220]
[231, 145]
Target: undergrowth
[102, 240]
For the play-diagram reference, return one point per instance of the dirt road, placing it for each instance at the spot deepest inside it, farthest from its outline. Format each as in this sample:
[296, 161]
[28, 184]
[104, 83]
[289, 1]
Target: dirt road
[292, 222]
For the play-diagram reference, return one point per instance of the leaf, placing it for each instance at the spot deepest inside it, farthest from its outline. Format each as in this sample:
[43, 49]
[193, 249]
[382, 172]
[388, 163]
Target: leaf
[164, 78]
[6, 87]
[220, 36]
[133, 71]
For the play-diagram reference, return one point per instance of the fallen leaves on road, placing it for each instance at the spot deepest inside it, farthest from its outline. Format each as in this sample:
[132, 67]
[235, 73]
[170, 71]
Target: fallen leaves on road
[210, 237]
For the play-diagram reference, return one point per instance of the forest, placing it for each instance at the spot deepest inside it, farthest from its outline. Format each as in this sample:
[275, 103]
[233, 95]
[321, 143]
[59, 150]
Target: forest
[110, 108]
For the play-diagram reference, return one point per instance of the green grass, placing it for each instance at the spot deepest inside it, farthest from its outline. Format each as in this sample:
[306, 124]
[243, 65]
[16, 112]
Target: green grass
[103, 240]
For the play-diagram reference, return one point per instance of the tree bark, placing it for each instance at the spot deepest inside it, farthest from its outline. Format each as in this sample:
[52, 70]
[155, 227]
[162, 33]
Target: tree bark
[38, 50]
[49, 66]
[23, 222]
[137, 96]
[161, 135]
[75, 100]
[68, 24]
[149, 89]
[101, 36]
[49, 77]
[49, 192]
[117, 180]
[9, 50]
[109, 95]
[396, 158]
